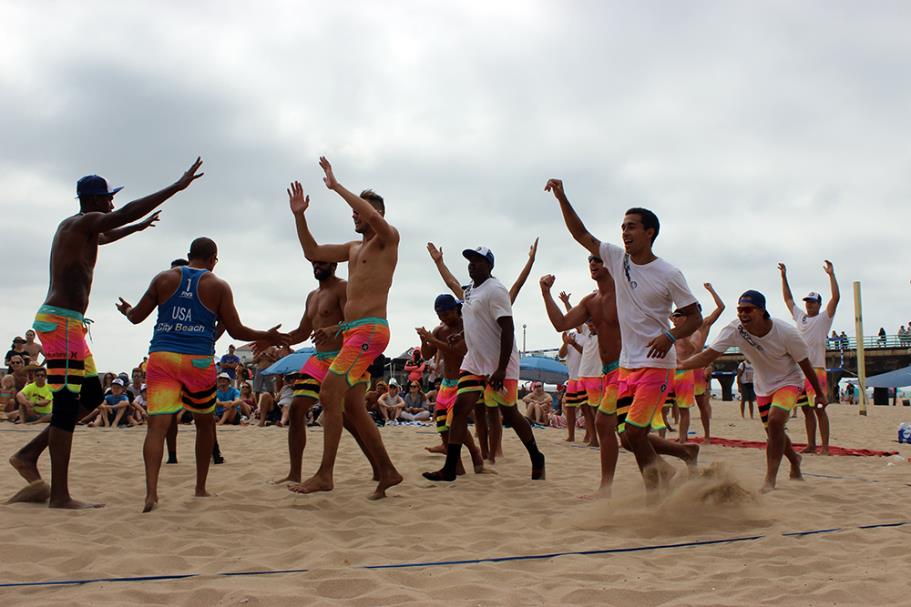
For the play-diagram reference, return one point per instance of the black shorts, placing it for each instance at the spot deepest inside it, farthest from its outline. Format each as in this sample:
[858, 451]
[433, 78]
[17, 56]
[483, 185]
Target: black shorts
[747, 393]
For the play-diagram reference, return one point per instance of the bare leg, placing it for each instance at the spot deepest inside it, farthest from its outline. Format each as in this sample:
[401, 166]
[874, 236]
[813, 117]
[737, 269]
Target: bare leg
[265, 406]
[463, 406]
[684, 428]
[606, 426]
[823, 417]
[297, 437]
[776, 446]
[205, 442]
[332, 395]
[494, 433]
[689, 453]
[60, 444]
[588, 413]
[355, 398]
[742, 405]
[480, 426]
[25, 460]
[705, 415]
[646, 458]
[570, 424]
[171, 438]
[809, 417]
[152, 451]
[363, 426]
[523, 430]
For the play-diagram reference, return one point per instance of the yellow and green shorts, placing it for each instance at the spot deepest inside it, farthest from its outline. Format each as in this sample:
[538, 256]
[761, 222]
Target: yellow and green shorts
[62, 334]
[505, 397]
[311, 376]
[640, 395]
[362, 341]
[611, 379]
[807, 396]
[446, 398]
[699, 379]
[575, 393]
[783, 398]
[180, 381]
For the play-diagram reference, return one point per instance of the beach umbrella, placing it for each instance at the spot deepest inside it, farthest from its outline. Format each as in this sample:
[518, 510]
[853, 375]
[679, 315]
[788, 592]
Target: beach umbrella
[899, 378]
[291, 363]
[543, 369]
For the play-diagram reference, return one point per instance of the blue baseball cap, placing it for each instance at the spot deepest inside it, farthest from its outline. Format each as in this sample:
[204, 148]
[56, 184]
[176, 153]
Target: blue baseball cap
[753, 298]
[95, 185]
[483, 252]
[446, 302]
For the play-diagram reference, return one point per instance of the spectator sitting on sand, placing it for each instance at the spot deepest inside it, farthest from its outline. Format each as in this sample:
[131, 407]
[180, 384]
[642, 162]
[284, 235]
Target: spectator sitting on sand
[35, 400]
[227, 400]
[538, 404]
[391, 404]
[141, 405]
[18, 370]
[8, 402]
[115, 408]
[17, 349]
[416, 404]
[371, 400]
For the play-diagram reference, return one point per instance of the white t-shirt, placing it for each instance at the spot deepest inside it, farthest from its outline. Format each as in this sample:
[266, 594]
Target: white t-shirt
[747, 368]
[590, 365]
[573, 356]
[774, 356]
[815, 331]
[481, 307]
[646, 296]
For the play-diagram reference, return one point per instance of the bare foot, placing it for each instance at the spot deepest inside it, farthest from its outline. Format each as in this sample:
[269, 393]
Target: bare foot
[692, 455]
[393, 479]
[71, 504]
[36, 492]
[441, 449]
[767, 487]
[603, 492]
[312, 485]
[202, 493]
[825, 450]
[288, 479]
[26, 469]
[150, 504]
[570, 439]
[795, 470]
[666, 472]
[809, 449]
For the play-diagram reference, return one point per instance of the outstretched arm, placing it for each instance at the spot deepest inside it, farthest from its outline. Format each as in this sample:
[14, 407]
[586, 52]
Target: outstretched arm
[304, 328]
[786, 288]
[437, 256]
[227, 314]
[364, 209]
[573, 318]
[523, 275]
[313, 251]
[118, 233]
[573, 223]
[99, 223]
[147, 303]
[710, 320]
[699, 361]
[659, 346]
[836, 294]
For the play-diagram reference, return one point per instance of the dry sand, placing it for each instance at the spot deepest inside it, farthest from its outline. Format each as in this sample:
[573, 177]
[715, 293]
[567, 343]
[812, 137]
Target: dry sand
[254, 526]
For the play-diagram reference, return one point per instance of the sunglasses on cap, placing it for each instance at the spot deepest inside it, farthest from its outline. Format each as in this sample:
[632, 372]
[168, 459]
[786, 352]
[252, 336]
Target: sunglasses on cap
[592, 258]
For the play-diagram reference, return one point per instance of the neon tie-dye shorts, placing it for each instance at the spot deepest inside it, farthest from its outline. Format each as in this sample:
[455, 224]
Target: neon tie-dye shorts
[608, 405]
[784, 398]
[307, 383]
[62, 334]
[807, 396]
[446, 397]
[363, 341]
[684, 388]
[575, 393]
[594, 389]
[701, 385]
[180, 381]
[640, 396]
[504, 397]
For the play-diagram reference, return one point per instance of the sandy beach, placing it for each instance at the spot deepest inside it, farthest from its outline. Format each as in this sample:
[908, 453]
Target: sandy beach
[712, 541]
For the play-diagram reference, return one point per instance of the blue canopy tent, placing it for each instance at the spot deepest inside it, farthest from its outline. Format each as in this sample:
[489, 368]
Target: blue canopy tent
[543, 369]
[900, 378]
[291, 363]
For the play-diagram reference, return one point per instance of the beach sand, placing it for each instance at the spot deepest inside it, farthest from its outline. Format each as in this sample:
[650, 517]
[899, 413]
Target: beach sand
[317, 546]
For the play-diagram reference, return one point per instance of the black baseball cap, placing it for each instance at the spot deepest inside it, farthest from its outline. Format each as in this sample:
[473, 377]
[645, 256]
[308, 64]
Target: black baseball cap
[95, 185]
[445, 302]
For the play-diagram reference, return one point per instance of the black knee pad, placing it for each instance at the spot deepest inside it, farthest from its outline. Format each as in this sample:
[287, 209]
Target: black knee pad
[66, 410]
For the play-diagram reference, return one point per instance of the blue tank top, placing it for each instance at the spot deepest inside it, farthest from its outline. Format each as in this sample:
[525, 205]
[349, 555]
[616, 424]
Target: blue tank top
[184, 324]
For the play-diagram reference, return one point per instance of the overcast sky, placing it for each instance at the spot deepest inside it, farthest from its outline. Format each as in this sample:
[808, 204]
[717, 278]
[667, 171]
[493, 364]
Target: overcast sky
[758, 132]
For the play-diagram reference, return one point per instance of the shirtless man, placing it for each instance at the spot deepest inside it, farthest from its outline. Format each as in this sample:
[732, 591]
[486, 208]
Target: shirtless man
[491, 364]
[32, 348]
[488, 426]
[448, 340]
[61, 327]
[685, 395]
[325, 309]
[365, 330]
[780, 361]
[571, 353]
[181, 369]
[645, 290]
[814, 324]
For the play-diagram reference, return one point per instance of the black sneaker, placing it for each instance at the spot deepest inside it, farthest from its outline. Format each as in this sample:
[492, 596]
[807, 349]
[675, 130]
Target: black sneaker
[172, 459]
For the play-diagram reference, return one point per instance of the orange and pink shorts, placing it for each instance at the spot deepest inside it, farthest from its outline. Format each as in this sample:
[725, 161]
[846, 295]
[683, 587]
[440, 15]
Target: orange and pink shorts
[594, 389]
[684, 388]
[363, 341]
[504, 397]
[807, 396]
[611, 384]
[784, 398]
[308, 381]
[640, 395]
[446, 398]
[575, 393]
[180, 381]
[62, 335]
[699, 379]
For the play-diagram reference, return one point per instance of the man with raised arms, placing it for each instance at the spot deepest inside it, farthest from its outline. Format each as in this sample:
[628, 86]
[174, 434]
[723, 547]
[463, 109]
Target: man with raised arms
[647, 289]
[814, 325]
[449, 340]
[365, 330]
[490, 366]
[61, 327]
[778, 355]
[487, 419]
[685, 380]
[181, 370]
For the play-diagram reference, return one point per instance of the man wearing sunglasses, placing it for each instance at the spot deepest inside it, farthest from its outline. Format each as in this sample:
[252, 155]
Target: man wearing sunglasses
[780, 362]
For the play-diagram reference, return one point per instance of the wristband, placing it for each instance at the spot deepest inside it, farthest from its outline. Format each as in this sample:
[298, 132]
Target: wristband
[670, 336]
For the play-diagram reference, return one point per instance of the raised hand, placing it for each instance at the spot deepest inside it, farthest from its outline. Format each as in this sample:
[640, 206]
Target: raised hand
[298, 201]
[423, 333]
[547, 281]
[190, 176]
[555, 186]
[148, 222]
[708, 287]
[564, 297]
[828, 267]
[533, 250]
[123, 307]
[329, 179]
[435, 254]
[782, 269]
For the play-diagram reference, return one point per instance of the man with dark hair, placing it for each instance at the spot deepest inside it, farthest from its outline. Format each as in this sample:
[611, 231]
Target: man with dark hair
[490, 366]
[181, 370]
[813, 324]
[61, 326]
[647, 289]
[365, 330]
[778, 355]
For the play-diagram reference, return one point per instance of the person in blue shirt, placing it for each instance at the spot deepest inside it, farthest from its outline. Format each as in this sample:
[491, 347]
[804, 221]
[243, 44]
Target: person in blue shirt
[229, 363]
[116, 408]
[227, 401]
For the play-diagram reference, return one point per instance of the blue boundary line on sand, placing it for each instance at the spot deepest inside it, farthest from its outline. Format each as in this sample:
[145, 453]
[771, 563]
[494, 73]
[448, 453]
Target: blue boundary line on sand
[497, 559]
